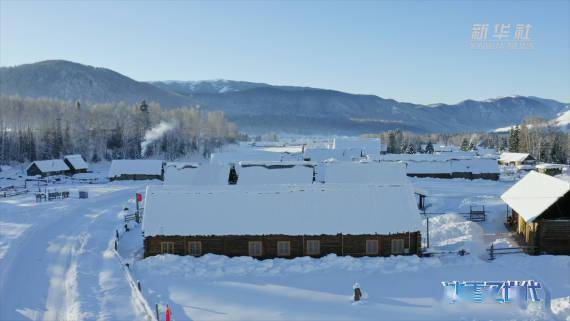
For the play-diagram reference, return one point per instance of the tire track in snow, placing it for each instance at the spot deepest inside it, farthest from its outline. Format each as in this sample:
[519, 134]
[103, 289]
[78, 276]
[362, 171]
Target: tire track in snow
[57, 283]
[62, 300]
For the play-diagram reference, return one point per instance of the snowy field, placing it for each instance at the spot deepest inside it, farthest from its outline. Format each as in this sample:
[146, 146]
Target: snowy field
[57, 262]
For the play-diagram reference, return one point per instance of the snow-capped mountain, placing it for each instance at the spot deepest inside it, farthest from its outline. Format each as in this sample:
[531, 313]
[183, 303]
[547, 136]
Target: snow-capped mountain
[259, 107]
[218, 86]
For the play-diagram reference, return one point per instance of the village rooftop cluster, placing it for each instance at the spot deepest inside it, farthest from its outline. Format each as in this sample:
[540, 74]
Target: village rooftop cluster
[343, 197]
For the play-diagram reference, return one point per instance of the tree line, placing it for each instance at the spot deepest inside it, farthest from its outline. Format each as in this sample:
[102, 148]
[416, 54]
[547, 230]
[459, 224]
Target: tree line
[35, 129]
[536, 136]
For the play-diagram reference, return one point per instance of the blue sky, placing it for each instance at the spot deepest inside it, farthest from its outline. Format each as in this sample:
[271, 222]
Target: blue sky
[410, 51]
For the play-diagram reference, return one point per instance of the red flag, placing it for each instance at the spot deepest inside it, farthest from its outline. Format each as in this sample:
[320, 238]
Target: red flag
[139, 197]
[168, 313]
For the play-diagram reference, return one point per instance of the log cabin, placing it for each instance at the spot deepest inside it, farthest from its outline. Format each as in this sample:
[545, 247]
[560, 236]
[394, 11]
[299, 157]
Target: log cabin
[445, 166]
[48, 167]
[550, 169]
[540, 213]
[136, 169]
[272, 172]
[76, 164]
[284, 221]
[516, 159]
[194, 174]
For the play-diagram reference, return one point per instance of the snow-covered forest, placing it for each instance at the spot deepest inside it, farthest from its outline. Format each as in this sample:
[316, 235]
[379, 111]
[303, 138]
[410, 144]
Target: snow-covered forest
[536, 136]
[33, 129]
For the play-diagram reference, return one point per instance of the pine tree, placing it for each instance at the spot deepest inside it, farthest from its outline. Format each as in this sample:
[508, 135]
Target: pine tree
[429, 148]
[464, 145]
[514, 139]
[392, 146]
[557, 153]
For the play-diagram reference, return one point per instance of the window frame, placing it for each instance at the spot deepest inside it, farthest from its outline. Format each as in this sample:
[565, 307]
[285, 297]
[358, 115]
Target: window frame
[308, 248]
[249, 247]
[199, 243]
[166, 244]
[397, 241]
[288, 248]
[377, 246]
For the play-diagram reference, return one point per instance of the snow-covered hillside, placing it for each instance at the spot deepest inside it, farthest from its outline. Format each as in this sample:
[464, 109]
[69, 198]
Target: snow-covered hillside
[562, 121]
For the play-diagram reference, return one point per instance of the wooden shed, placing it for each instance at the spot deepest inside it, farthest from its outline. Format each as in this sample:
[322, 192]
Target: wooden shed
[282, 221]
[540, 213]
[47, 167]
[516, 159]
[136, 169]
[550, 169]
[76, 164]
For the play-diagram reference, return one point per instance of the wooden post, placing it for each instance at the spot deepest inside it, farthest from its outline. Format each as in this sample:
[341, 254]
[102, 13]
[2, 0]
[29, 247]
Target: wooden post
[341, 244]
[427, 232]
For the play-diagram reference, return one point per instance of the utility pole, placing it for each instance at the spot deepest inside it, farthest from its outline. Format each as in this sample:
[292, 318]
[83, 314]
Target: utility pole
[427, 228]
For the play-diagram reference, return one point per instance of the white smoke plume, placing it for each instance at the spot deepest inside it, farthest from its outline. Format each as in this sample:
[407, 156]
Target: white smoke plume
[155, 133]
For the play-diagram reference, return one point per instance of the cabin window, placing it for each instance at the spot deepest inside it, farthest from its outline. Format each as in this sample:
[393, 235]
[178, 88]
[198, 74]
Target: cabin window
[313, 247]
[283, 248]
[371, 247]
[397, 246]
[167, 247]
[255, 248]
[195, 248]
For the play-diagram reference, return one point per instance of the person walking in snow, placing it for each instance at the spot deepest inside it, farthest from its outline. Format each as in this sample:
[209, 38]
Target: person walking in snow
[168, 313]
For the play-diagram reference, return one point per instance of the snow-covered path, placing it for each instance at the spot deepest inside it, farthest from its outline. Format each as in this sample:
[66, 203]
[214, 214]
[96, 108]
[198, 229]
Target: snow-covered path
[60, 267]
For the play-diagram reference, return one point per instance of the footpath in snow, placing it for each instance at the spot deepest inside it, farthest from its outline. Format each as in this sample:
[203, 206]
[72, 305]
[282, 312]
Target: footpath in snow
[55, 262]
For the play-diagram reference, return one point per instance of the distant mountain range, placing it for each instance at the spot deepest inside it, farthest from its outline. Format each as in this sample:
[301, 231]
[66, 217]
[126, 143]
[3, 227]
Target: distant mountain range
[259, 107]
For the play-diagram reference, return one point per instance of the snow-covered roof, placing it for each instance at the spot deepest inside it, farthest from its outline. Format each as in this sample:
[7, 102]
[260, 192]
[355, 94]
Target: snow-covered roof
[513, 157]
[255, 173]
[424, 157]
[534, 194]
[366, 145]
[550, 166]
[135, 167]
[432, 164]
[324, 154]
[292, 149]
[291, 210]
[77, 161]
[50, 165]
[275, 164]
[245, 155]
[386, 173]
[182, 165]
[208, 174]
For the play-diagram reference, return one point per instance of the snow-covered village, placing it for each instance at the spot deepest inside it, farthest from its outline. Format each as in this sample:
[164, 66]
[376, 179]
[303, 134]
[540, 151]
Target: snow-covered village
[309, 197]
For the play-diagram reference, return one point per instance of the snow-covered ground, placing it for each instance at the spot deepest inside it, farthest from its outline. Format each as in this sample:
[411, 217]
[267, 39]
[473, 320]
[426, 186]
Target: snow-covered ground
[57, 263]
